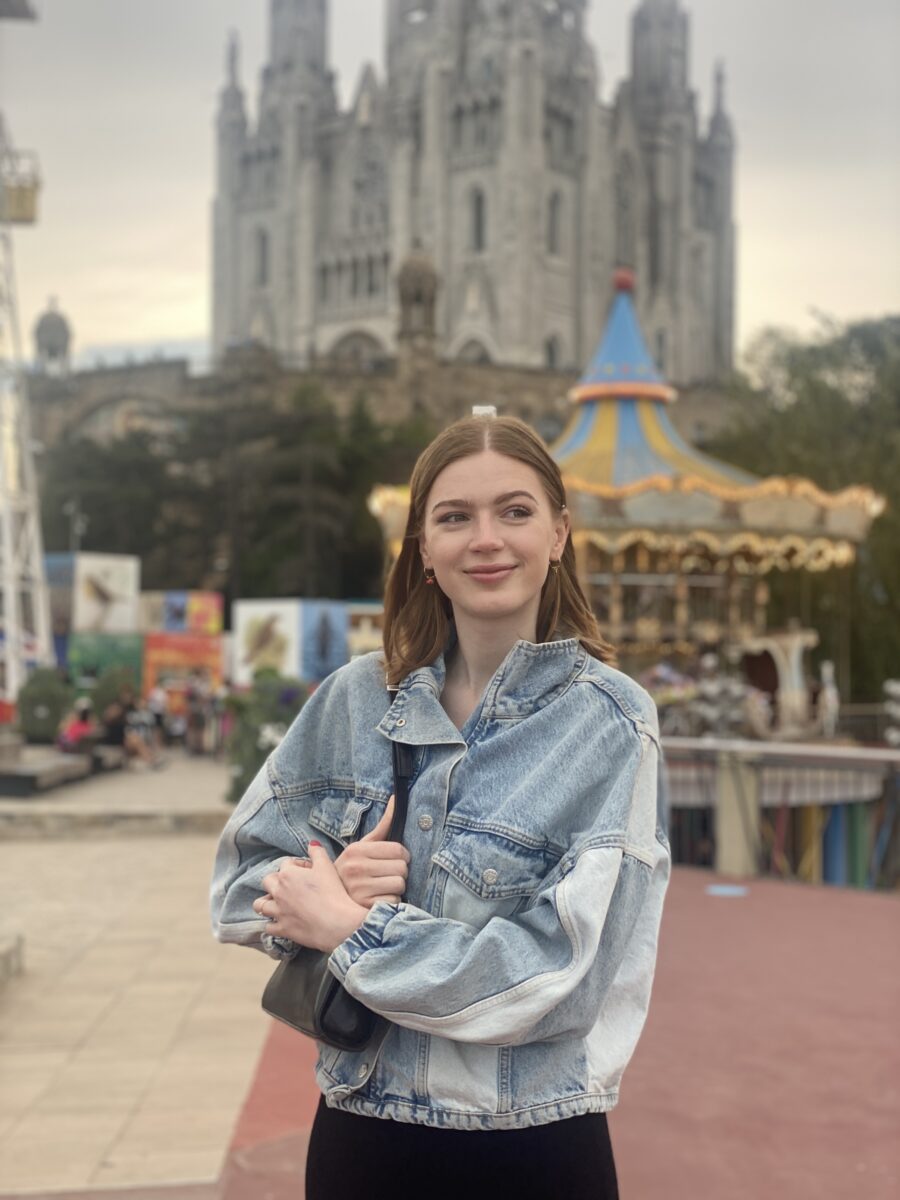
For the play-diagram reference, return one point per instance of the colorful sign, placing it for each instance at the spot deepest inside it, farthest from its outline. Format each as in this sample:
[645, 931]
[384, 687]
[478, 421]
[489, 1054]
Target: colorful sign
[174, 660]
[204, 612]
[90, 654]
[181, 612]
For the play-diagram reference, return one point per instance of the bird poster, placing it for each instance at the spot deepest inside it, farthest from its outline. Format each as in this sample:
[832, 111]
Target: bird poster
[266, 637]
[106, 590]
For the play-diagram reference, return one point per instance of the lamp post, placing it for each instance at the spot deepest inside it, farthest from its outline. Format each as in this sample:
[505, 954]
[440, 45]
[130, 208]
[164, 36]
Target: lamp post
[78, 524]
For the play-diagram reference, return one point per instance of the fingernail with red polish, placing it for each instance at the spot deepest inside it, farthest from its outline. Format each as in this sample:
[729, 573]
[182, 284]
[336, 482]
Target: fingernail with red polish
[315, 843]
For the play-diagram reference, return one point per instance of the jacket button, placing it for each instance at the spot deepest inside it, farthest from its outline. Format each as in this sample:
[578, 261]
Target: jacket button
[490, 875]
[362, 1070]
[401, 722]
[425, 822]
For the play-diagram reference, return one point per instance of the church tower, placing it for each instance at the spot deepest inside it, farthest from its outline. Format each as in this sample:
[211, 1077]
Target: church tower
[231, 139]
[488, 147]
[668, 193]
[720, 153]
[298, 36]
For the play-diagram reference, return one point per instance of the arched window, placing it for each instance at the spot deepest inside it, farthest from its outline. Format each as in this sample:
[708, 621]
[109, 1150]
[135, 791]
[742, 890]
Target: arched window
[626, 203]
[554, 224]
[474, 352]
[262, 258]
[660, 354]
[458, 120]
[357, 351]
[552, 354]
[478, 233]
[698, 275]
[323, 284]
[371, 276]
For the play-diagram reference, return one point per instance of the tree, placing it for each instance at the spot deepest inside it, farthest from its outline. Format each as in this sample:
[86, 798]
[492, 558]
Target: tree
[830, 410]
[254, 495]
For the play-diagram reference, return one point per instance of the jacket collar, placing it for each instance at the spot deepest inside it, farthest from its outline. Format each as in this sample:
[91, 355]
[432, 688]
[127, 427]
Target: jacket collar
[530, 676]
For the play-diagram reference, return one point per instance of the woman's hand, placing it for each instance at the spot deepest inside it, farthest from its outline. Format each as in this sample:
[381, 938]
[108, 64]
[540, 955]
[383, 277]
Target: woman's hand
[374, 869]
[307, 903]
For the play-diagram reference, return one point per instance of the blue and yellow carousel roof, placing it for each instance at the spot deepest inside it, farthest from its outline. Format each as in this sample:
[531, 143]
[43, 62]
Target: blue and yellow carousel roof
[621, 434]
[630, 476]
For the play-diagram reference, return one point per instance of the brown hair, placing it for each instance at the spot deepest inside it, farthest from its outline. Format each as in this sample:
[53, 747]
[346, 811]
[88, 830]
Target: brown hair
[417, 617]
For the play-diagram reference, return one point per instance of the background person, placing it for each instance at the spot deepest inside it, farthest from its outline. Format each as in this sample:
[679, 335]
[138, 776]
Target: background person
[119, 729]
[78, 731]
[515, 971]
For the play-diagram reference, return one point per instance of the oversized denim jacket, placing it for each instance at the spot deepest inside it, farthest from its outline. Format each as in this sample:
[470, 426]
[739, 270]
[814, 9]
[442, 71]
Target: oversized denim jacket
[516, 972]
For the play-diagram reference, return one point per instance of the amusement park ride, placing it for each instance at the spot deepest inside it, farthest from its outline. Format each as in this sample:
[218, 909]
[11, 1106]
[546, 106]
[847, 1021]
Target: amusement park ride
[24, 607]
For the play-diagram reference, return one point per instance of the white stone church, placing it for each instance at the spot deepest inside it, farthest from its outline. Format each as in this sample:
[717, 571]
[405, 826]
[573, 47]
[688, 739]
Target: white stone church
[487, 151]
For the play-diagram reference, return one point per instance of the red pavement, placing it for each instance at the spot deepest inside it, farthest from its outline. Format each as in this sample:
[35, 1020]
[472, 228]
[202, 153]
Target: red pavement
[769, 1068]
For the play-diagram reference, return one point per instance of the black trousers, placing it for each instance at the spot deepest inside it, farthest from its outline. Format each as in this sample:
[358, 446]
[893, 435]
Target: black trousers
[368, 1158]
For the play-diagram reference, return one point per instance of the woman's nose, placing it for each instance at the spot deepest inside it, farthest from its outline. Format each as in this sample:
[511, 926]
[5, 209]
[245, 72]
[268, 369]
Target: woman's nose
[485, 534]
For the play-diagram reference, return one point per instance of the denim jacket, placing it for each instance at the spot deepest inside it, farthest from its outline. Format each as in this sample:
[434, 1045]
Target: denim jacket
[516, 972]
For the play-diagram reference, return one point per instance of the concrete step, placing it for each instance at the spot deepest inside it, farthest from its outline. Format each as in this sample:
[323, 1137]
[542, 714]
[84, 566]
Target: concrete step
[40, 771]
[34, 819]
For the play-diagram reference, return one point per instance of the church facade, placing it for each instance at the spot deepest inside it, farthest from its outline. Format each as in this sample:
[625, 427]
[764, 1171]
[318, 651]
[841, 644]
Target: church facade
[486, 151]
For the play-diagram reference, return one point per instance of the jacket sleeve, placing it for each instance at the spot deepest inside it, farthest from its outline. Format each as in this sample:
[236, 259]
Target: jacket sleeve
[544, 973]
[258, 837]
[254, 843]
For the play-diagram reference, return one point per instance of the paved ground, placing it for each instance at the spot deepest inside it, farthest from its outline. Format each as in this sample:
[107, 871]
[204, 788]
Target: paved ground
[135, 1062]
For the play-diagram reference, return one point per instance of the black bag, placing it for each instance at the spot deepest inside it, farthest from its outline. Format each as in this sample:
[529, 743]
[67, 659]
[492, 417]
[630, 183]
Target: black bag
[304, 994]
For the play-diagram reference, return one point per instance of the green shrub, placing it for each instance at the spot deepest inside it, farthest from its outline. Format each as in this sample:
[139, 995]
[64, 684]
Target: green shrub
[109, 686]
[261, 719]
[43, 701]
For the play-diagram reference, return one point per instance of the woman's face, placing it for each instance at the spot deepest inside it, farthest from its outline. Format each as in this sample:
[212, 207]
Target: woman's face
[489, 535]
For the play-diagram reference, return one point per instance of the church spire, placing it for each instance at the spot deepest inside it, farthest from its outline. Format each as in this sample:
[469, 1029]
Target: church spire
[720, 123]
[234, 59]
[231, 102]
[659, 50]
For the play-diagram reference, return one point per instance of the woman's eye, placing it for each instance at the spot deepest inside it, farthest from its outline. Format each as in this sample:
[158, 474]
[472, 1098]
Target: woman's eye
[453, 518]
[518, 513]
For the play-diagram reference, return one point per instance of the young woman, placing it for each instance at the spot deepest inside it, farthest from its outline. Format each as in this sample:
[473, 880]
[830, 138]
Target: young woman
[510, 941]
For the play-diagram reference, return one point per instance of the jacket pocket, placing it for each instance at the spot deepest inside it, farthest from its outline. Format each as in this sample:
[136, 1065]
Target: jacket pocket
[339, 812]
[495, 866]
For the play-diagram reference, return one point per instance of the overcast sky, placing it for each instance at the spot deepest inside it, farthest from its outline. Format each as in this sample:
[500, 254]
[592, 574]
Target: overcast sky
[118, 98]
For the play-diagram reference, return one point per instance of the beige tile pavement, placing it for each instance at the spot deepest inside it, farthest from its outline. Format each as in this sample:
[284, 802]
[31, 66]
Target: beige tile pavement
[129, 1043]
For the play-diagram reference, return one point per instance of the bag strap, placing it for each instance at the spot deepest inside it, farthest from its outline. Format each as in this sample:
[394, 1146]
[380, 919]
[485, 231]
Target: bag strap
[401, 757]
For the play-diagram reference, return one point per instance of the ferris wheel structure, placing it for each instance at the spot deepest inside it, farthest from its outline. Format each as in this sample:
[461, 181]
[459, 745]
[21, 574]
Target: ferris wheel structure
[25, 638]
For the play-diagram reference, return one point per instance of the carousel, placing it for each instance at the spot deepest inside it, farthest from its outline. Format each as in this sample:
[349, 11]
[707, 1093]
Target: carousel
[674, 547]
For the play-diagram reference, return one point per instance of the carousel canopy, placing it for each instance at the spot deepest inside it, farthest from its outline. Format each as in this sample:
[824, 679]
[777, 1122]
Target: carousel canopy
[631, 478]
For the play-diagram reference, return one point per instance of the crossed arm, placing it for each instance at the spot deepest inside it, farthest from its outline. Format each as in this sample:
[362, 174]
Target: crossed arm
[319, 903]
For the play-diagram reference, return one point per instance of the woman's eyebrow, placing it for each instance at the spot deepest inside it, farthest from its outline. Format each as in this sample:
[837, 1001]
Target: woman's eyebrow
[497, 500]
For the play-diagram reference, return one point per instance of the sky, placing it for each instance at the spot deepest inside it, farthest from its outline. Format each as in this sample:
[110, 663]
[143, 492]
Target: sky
[118, 98]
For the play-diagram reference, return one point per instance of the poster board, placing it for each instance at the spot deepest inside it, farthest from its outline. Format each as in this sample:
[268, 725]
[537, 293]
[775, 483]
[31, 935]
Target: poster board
[266, 637]
[59, 570]
[105, 593]
[181, 612]
[323, 638]
[173, 660]
[90, 654]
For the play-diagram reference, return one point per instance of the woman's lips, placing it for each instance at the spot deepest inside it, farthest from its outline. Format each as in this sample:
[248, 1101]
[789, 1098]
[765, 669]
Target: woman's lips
[490, 574]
